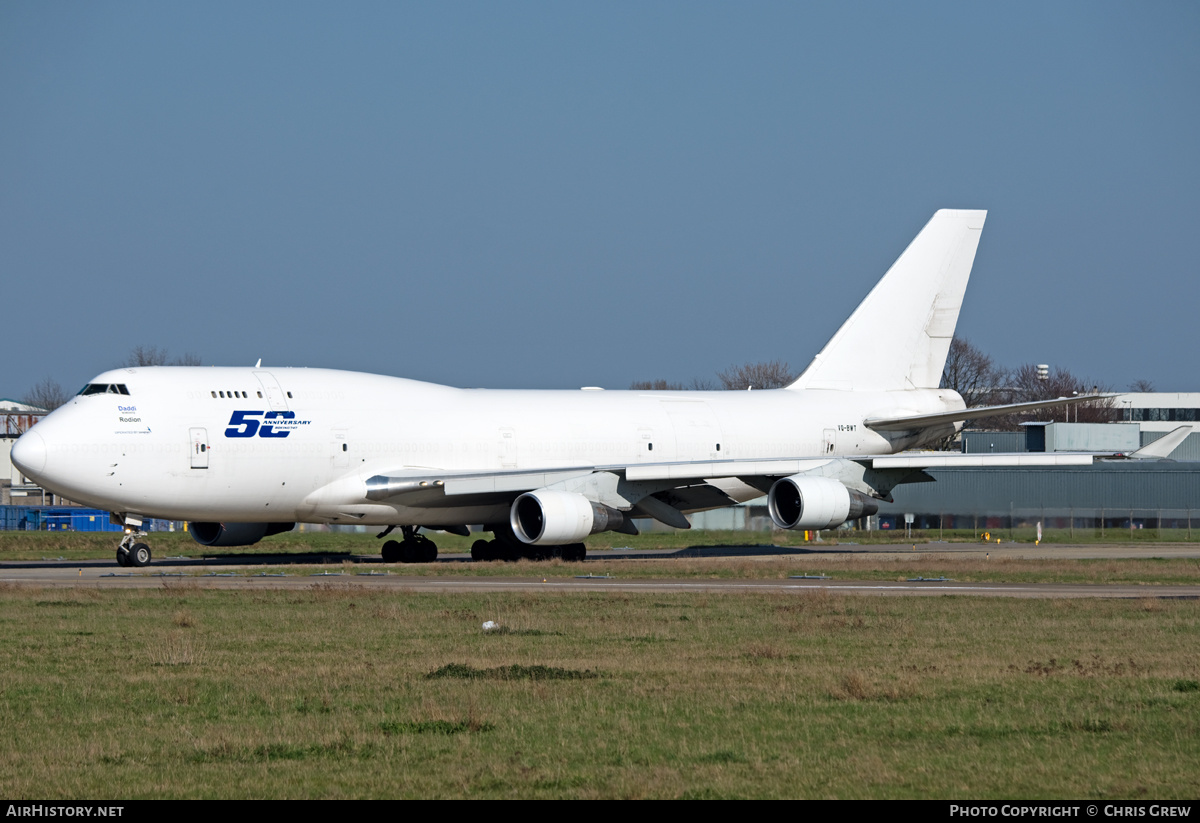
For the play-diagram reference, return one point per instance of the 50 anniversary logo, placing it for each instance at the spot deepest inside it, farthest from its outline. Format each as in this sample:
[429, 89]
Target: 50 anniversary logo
[273, 424]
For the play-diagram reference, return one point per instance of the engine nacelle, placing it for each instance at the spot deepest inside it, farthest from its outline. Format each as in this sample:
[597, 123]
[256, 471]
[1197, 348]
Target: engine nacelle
[803, 502]
[551, 517]
[235, 534]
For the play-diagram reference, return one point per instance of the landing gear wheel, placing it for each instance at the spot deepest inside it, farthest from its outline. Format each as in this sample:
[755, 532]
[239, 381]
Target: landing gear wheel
[426, 550]
[132, 553]
[392, 552]
[573, 552]
[414, 548]
[481, 551]
[418, 549]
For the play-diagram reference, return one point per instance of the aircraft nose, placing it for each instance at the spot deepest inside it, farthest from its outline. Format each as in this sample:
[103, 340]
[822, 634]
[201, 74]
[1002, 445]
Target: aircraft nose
[29, 454]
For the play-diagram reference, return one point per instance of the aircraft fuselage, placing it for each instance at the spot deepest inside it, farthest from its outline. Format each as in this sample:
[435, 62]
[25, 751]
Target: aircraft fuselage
[259, 445]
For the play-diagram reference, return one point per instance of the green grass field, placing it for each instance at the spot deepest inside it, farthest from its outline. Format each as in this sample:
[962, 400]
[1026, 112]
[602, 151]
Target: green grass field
[334, 691]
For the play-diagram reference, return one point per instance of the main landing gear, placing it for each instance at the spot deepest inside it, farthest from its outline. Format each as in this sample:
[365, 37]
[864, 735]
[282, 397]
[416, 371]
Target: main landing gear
[507, 547]
[133, 552]
[414, 548]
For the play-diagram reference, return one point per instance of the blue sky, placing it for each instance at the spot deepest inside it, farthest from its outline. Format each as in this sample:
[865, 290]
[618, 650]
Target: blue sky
[564, 194]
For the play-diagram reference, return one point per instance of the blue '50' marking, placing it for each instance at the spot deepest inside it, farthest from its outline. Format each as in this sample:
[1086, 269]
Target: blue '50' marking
[243, 424]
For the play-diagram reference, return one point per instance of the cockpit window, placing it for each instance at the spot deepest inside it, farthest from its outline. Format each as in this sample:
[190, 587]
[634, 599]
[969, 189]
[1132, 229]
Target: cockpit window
[104, 388]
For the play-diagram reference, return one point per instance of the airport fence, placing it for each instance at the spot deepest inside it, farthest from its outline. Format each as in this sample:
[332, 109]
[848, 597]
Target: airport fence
[1059, 523]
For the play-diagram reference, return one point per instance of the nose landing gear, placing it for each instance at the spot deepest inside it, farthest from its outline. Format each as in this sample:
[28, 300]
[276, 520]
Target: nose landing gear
[133, 552]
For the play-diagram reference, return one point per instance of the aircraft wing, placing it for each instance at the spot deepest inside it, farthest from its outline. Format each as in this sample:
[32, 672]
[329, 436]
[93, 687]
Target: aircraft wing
[451, 483]
[875, 475]
[665, 491]
[922, 421]
[913, 460]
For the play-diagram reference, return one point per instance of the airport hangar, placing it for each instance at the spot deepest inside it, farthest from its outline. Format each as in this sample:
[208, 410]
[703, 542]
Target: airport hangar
[1109, 494]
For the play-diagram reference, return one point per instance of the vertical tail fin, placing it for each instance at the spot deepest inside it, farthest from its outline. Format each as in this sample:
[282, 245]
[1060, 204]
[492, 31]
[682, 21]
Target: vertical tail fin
[899, 335]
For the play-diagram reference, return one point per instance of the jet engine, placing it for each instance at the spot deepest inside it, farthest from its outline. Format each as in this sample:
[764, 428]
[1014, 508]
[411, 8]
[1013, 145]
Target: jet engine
[235, 534]
[554, 517]
[803, 502]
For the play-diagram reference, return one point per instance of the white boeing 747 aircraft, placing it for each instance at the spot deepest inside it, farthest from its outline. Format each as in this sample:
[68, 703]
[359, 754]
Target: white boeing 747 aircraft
[244, 453]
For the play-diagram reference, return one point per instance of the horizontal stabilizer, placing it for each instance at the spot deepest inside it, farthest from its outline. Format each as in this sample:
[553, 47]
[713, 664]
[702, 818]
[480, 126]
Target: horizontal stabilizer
[958, 460]
[922, 421]
[1161, 448]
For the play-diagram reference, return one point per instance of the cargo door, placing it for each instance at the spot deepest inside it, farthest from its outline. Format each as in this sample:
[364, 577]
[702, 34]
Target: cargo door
[697, 432]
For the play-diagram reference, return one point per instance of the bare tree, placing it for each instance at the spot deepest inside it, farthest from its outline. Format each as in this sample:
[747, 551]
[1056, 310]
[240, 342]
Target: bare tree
[654, 385]
[1141, 386]
[47, 394]
[697, 384]
[156, 356]
[972, 374]
[146, 356]
[1029, 386]
[774, 374]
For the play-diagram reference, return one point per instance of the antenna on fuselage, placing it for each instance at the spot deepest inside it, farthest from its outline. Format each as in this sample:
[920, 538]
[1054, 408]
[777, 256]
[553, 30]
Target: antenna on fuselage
[258, 365]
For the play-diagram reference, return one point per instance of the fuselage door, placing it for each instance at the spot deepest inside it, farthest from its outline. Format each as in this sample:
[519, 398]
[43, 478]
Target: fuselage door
[275, 395]
[508, 448]
[644, 445]
[341, 449]
[199, 447]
